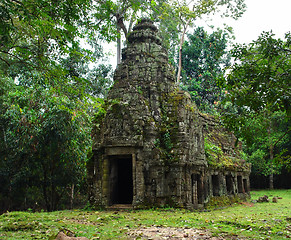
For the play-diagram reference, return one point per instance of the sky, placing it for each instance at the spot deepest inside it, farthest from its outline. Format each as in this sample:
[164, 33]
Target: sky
[261, 15]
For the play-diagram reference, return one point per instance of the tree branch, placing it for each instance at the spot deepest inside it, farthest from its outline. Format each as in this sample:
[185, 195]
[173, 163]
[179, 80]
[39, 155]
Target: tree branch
[4, 60]
[131, 22]
[120, 23]
[16, 1]
[282, 137]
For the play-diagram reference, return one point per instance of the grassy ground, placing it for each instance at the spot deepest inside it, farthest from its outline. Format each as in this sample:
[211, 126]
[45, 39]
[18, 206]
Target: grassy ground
[251, 221]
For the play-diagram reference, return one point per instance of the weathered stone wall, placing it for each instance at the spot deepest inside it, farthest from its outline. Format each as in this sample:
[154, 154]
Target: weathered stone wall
[225, 160]
[150, 125]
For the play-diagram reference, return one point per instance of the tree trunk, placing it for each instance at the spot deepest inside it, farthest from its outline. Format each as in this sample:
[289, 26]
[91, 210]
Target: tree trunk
[120, 26]
[271, 176]
[53, 197]
[4, 138]
[45, 196]
[180, 63]
[72, 196]
[271, 152]
[271, 181]
[44, 188]
[180, 51]
[118, 45]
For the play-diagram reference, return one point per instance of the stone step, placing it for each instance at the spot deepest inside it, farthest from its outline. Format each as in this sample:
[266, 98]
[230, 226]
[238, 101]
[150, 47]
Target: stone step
[119, 207]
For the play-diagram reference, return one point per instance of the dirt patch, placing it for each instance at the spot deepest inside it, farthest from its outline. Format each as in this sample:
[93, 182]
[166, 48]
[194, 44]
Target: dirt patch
[248, 204]
[157, 233]
[63, 236]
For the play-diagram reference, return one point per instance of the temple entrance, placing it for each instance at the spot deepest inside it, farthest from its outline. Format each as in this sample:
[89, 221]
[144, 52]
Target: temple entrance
[197, 189]
[245, 184]
[240, 184]
[229, 184]
[120, 179]
[215, 185]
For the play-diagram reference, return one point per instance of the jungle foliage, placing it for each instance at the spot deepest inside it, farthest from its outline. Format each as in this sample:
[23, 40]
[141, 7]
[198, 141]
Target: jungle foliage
[47, 94]
[257, 104]
[204, 60]
[50, 88]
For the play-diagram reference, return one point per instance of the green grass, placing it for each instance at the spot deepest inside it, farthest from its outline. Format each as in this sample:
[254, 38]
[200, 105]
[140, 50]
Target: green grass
[258, 221]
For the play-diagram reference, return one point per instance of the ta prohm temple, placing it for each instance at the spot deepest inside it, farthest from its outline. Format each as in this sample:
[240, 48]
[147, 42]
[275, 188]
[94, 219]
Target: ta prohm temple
[149, 139]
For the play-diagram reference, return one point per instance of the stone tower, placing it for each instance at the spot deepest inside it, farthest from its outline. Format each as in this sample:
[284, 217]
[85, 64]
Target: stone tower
[148, 137]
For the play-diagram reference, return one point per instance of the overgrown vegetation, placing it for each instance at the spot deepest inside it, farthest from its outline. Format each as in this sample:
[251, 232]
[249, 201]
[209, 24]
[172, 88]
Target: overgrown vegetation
[204, 62]
[167, 141]
[257, 104]
[47, 95]
[49, 90]
[247, 220]
[216, 158]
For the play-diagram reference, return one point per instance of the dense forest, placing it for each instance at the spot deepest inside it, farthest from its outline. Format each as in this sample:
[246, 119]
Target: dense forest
[55, 73]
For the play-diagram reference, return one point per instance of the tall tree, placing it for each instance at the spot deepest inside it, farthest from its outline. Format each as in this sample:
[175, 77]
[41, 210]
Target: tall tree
[173, 17]
[204, 58]
[259, 85]
[34, 32]
[258, 142]
[117, 18]
[45, 145]
[46, 97]
[184, 13]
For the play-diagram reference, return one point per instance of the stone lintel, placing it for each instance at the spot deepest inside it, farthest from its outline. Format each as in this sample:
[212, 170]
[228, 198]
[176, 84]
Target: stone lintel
[128, 150]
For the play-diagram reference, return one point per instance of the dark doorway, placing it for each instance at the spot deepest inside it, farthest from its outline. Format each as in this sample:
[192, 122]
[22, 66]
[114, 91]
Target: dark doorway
[121, 182]
[229, 184]
[240, 184]
[215, 185]
[197, 189]
[245, 184]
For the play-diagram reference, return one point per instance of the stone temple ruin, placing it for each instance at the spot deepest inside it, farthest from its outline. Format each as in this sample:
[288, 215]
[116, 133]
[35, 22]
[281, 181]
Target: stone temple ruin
[151, 146]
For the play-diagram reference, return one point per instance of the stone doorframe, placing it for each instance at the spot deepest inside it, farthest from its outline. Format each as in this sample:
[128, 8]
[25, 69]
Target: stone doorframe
[121, 151]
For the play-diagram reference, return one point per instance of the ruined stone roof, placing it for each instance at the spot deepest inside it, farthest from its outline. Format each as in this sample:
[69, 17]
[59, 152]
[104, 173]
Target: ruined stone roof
[222, 148]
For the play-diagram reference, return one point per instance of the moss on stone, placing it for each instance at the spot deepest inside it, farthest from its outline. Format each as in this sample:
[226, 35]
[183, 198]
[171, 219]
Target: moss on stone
[223, 201]
[168, 129]
[218, 159]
